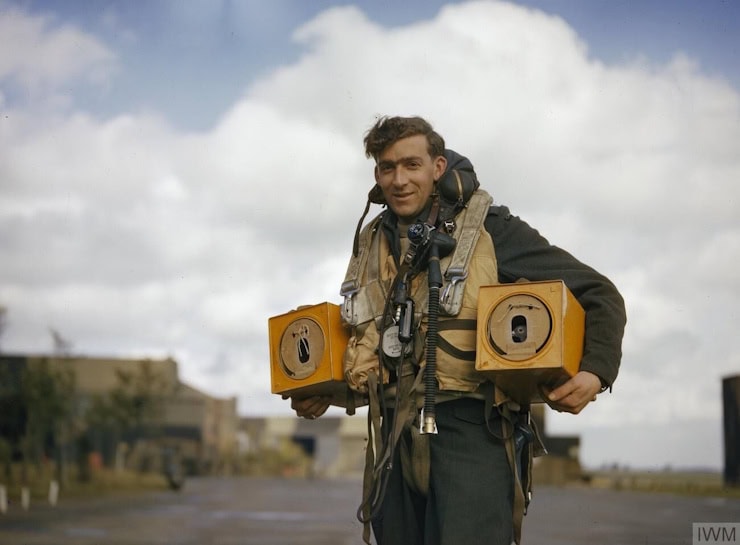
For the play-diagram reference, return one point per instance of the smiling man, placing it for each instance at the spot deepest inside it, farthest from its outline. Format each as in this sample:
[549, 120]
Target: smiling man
[406, 172]
[459, 480]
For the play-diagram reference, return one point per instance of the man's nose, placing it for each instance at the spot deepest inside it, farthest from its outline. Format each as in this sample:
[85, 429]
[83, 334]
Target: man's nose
[399, 177]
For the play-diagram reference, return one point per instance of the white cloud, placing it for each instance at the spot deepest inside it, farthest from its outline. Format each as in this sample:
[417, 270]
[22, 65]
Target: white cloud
[41, 56]
[127, 235]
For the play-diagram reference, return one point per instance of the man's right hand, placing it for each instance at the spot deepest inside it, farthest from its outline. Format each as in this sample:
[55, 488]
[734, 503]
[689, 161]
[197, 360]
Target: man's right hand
[310, 407]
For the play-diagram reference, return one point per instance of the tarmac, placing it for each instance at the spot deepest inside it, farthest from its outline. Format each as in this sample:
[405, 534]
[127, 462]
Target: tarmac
[275, 511]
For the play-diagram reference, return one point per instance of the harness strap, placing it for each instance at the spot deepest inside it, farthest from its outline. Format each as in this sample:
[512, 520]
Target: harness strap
[508, 410]
[455, 265]
[356, 241]
[473, 217]
[465, 355]
[446, 346]
[458, 323]
[415, 456]
[358, 306]
[520, 508]
[370, 493]
[379, 454]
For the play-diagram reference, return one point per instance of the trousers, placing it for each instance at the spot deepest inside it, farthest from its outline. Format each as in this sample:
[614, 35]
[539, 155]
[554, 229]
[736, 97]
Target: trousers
[471, 488]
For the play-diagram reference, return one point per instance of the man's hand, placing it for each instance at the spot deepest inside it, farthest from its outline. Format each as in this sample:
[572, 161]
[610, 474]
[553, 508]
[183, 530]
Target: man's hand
[575, 394]
[310, 407]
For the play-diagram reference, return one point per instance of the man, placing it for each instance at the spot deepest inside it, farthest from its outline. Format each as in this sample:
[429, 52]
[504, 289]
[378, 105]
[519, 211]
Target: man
[469, 492]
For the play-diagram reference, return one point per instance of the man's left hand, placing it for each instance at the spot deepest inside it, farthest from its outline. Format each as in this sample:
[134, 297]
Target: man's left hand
[575, 394]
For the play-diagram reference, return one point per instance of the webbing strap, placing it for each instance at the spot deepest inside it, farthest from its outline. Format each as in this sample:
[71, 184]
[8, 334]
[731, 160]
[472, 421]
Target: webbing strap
[519, 508]
[379, 454]
[358, 261]
[495, 399]
[358, 303]
[455, 265]
[445, 346]
[458, 323]
[472, 218]
[415, 457]
[370, 492]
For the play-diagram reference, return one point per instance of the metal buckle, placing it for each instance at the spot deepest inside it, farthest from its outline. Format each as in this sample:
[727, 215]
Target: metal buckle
[453, 276]
[348, 291]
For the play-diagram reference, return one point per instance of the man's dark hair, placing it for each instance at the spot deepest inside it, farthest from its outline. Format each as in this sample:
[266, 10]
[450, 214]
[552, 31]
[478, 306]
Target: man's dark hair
[388, 130]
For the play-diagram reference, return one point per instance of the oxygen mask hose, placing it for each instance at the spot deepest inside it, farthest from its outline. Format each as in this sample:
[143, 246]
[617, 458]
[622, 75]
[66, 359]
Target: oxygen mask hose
[434, 275]
[424, 238]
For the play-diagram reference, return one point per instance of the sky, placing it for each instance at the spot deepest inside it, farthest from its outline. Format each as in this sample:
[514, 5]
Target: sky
[172, 174]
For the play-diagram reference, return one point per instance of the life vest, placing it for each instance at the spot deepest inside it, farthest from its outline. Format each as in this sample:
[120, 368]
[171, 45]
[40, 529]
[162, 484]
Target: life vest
[371, 272]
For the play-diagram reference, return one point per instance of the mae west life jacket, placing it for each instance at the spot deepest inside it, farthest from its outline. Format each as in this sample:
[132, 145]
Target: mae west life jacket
[369, 277]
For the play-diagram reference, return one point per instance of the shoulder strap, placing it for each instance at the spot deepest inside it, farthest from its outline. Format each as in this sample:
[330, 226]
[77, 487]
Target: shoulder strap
[472, 220]
[467, 234]
[358, 304]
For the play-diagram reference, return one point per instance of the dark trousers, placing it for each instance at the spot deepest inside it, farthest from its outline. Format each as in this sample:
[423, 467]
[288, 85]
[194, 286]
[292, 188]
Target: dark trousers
[470, 492]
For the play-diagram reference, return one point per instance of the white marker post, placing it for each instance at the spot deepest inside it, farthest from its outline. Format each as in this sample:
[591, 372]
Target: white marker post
[25, 498]
[53, 493]
[3, 499]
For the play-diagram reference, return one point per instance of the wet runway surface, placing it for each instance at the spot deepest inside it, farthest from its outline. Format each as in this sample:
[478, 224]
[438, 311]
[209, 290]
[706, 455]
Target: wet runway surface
[251, 511]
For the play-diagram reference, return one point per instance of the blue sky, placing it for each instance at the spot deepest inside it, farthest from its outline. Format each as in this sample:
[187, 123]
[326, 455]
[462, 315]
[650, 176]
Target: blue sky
[211, 51]
[194, 168]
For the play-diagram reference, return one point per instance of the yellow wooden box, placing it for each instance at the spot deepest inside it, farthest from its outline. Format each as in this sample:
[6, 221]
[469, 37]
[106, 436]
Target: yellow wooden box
[529, 334]
[306, 351]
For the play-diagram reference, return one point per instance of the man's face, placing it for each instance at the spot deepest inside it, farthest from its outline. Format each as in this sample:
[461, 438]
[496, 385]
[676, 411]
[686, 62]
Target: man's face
[406, 174]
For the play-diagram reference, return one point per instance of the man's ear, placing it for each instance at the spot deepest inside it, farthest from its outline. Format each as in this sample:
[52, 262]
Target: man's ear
[440, 165]
[375, 173]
